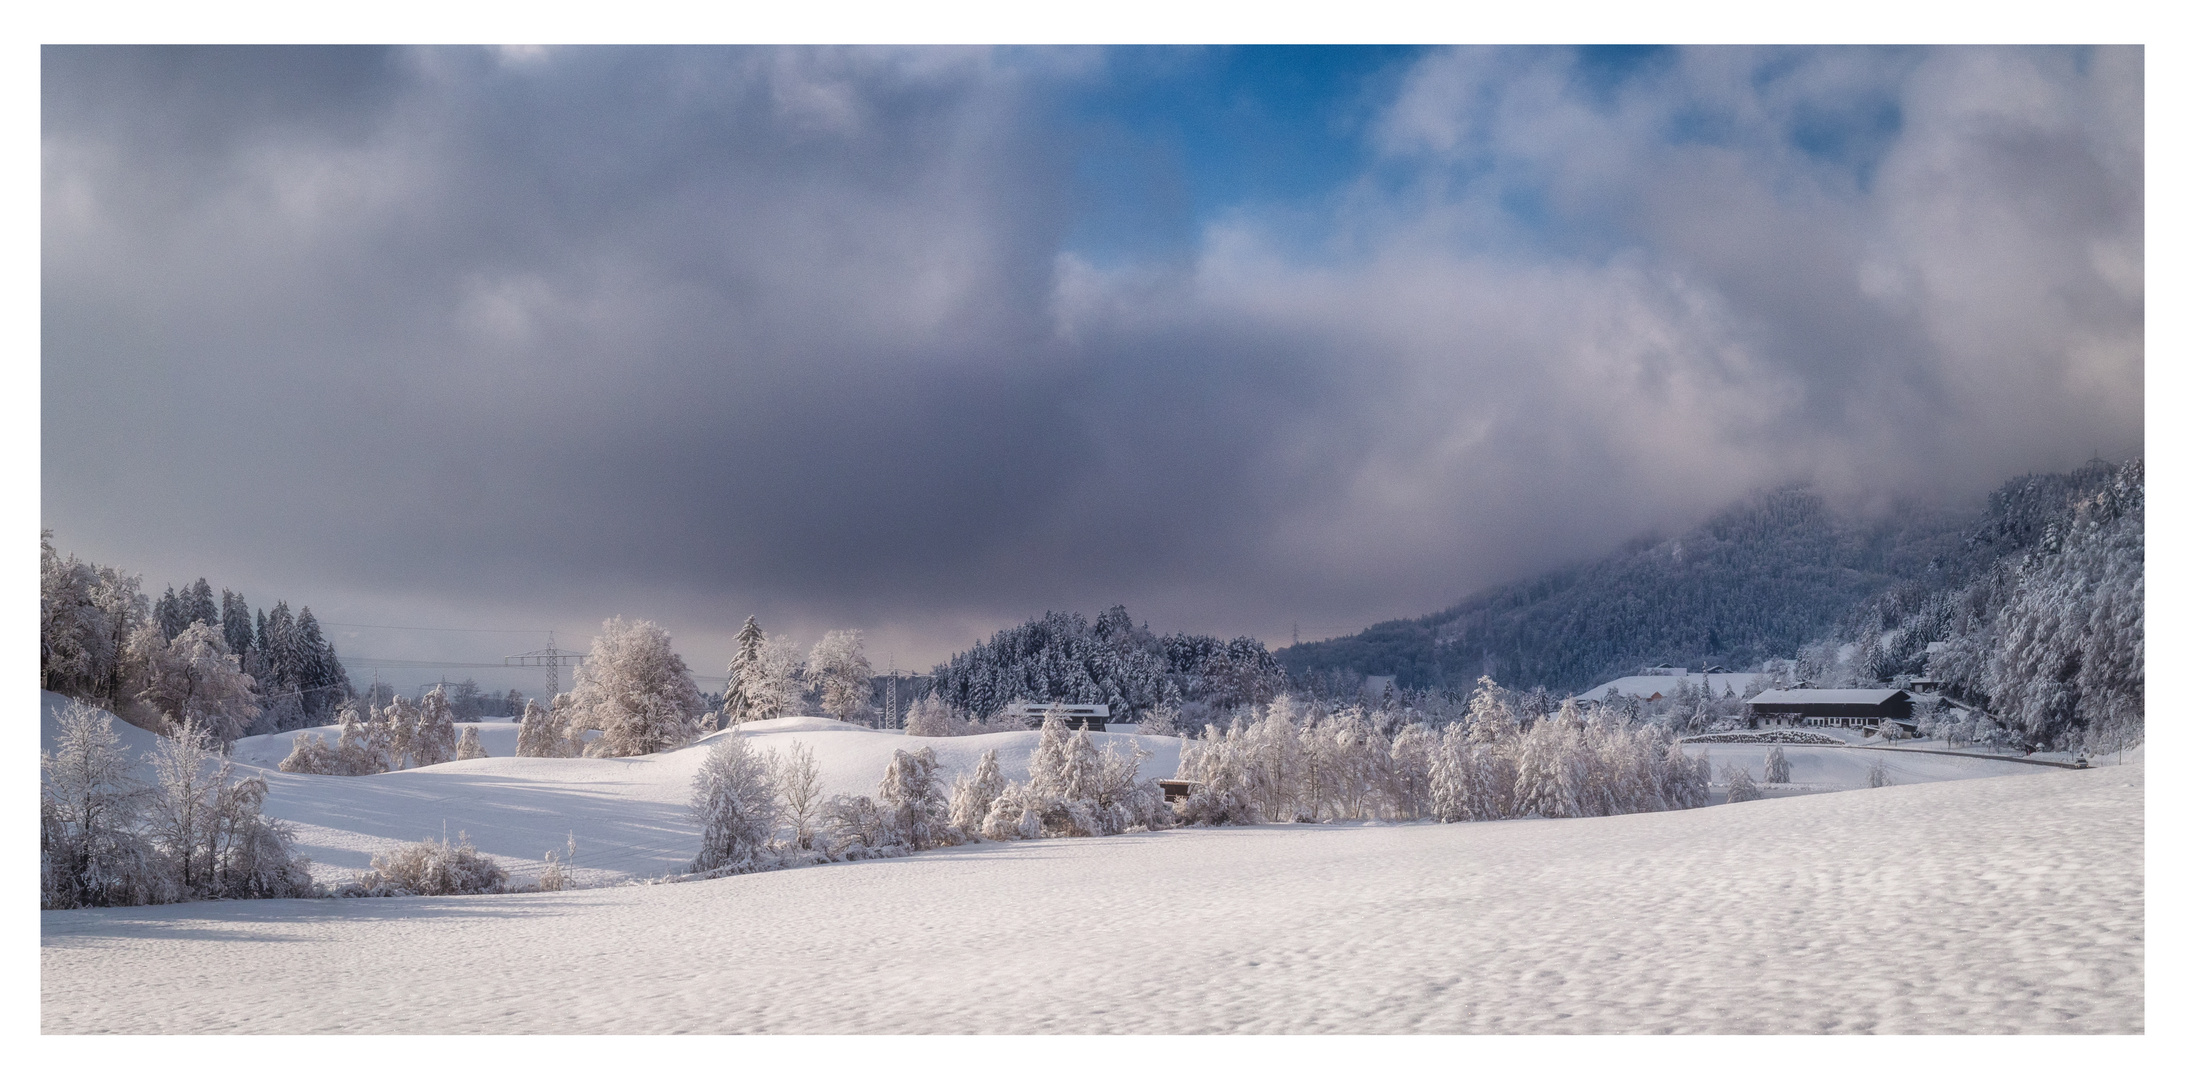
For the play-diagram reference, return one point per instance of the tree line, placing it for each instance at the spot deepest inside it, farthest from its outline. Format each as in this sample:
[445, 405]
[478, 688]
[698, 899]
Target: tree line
[182, 659]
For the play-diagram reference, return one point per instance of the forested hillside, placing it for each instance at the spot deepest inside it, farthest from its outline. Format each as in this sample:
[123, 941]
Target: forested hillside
[1762, 579]
[1064, 657]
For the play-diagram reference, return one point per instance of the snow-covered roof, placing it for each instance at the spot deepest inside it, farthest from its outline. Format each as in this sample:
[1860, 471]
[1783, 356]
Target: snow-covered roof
[1825, 697]
[1646, 686]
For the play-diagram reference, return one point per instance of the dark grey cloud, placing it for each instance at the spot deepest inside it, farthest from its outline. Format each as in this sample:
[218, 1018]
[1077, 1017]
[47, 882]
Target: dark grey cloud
[688, 333]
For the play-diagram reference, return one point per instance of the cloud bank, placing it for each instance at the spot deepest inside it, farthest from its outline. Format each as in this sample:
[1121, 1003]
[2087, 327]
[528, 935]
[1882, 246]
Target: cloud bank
[692, 333]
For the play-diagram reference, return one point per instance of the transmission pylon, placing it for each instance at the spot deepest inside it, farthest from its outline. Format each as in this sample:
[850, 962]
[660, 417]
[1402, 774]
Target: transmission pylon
[548, 658]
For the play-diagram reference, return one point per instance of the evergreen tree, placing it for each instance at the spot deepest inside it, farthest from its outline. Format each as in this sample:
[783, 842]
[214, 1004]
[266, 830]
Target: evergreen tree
[236, 623]
[167, 612]
[468, 744]
[198, 605]
[744, 673]
[1778, 766]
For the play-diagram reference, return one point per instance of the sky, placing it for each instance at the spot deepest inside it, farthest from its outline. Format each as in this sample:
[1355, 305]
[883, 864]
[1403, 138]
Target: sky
[929, 341]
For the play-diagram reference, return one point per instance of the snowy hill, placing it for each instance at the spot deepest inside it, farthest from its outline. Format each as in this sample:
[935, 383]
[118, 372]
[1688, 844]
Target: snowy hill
[2018, 907]
[628, 815]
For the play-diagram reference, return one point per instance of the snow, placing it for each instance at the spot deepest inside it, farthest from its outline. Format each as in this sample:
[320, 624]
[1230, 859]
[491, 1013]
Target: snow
[627, 815]
[1646, 686]
[1860, 696]
[2006, 904]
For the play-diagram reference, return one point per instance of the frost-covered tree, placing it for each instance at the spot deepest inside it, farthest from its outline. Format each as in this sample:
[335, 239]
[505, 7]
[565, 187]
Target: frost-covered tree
[1411, 762]
[194, 680]
[1686, 784]
[468, 744]
[735, 803]
[1550, 770]
[774, 684]
[636, 691]
[800, 793]
[1047, 765]
[1742, 788]
[180, 811]
[972, 795]
[434, 739]
[838, 670]
[538, 736]
[400, 733]
[930, 717]
[91, 853]
[1778, 766]
[1877, 774]
[914, 800]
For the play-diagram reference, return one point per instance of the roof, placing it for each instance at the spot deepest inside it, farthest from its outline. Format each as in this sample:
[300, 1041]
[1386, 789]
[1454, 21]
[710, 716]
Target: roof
[1646, 686]
[1825, 697]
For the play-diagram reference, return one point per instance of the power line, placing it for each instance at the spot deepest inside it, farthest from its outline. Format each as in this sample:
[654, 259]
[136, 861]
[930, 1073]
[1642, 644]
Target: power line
[439, 629]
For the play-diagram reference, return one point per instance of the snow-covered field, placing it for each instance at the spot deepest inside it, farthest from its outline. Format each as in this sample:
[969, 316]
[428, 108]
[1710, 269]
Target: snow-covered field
[2011, 904]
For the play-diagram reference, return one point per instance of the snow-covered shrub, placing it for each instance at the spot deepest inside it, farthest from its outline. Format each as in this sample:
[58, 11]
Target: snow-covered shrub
[735, 803]
[310, 753]
[252, 856]
[1742, 788]
[91, 853]
[1877, 774]
[468, 745]
[857, 828]
[914, 800]
[434, 740]
[430, 868]
[636, 691]
[538, 736]
[1778, 766]
[1014, 815]
[553, 876]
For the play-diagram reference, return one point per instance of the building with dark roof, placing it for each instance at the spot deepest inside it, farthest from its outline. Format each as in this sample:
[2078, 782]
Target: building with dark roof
[1852, 708]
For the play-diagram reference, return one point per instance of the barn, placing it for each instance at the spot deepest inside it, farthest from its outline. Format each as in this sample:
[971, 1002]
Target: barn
[1093, 717]
[1828, 708]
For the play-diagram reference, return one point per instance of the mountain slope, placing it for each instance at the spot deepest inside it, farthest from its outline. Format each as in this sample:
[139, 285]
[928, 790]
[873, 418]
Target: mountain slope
[1758, 580]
